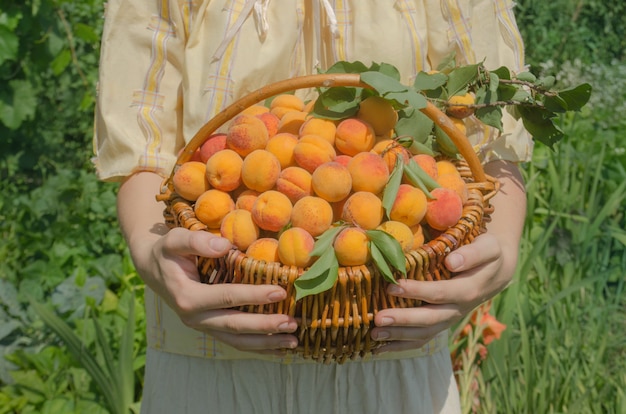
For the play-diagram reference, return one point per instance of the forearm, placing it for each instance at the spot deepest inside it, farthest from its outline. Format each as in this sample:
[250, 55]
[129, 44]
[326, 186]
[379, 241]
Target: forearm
[141, 216]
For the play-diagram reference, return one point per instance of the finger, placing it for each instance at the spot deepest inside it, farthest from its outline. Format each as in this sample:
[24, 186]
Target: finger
[258, 343]
[398, 333]
[179, 241]
[484, 249]
[398, 346]
[427, 317]
[236, 322]
[194, 297]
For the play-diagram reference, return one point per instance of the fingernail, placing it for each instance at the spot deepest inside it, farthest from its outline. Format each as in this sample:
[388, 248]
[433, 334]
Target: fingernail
[455, 261]
[219, 243]
[277, 295]
[382, 335]
[288, 344]
[287, 327]
[395, 290]
[386, 321]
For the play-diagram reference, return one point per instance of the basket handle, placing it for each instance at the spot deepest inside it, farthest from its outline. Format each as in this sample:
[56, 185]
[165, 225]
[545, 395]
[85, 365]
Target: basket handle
[327, 80]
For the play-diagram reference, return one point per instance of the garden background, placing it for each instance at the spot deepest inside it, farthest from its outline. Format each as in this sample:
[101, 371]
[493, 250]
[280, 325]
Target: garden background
[71, 318]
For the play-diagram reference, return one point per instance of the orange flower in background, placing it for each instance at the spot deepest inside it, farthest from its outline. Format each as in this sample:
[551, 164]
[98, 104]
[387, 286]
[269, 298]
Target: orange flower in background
[492, 328]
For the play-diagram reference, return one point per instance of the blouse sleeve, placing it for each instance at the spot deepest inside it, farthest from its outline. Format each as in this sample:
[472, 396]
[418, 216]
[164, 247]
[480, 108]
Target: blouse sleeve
[137, 117]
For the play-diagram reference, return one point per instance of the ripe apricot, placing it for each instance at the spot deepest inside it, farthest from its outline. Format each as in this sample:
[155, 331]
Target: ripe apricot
[369, 172]
[428, 163]
[324, 128]
[271, 210]
[260, 170]
[446, 167]
[363, 209]
[295, 183]
[239, 228]
[418, 236]
[295, 246]
[271, 122]
[343, 159]
[245, 134]
[352, 247]
[213, 144]
[354, 135]
[331, 181]
[399, 231]
[223, 170]
[313, 214]
[190, 180]
[460, 124]
[256, 109]
[445, 210]
[379, 113]
[409, 207]
[459, 106]
[390, 150]
[284, 103]
[246, 199]
[291, 122]
[311, 151]
[454, 182]
[282, 145]
[212, 206]
[265, 249]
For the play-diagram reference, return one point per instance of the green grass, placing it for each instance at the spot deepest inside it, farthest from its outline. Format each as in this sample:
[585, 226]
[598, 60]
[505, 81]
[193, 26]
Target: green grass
[565, 346]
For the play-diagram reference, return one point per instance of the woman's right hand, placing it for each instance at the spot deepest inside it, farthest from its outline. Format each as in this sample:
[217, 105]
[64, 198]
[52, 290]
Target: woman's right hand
[166, 261]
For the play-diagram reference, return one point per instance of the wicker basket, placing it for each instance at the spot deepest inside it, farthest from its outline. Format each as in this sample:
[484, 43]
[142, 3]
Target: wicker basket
[334, 325]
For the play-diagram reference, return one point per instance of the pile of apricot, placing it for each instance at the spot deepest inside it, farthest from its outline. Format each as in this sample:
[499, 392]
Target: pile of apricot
[278, 177]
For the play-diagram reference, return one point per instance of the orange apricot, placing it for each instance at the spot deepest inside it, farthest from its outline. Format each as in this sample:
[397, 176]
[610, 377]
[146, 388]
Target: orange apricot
[190, 180]
[379, 113]
[265, 249]
[239, 228]
[324, 128]
[311, 151]
[331, 181]
[409, 207]
[446, 167]
[291, 122]
[369, 172]
[363, 209]
[271, 122]
[354, 135]
[295, 183]
[295, 246]
[246, 199]
[245, 134]
[352, 247]
[271, 210]
[212, 206]
[255, 110]
[428, 163]
[260, 170]
[456, 183]
[223, 170]
[282, 145]
[213, 144]
[459, 106]
[390, 150]
[445, 210]
[399, 231]
[313, 214]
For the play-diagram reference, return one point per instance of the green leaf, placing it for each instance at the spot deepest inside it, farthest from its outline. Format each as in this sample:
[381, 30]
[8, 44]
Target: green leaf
[390, 249]
[538, 123]
[382, 83]
[391, 189]
[444, 143]
[320, 277]
[325, 241]
[347, 67]
[526, 77]
[61, 61]
[379, 261]
[570, 99]
[420, 178]
[85, 32]
[337, 103]
[414, 123]
[491, 116]
[426, 82]
[408, 98]
[460, 78]
[9, 44]
[17, 103]
[503, 72]
[387, 70]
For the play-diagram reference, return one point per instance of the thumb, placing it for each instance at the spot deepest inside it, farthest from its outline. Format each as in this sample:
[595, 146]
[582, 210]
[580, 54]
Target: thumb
[181, 241]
